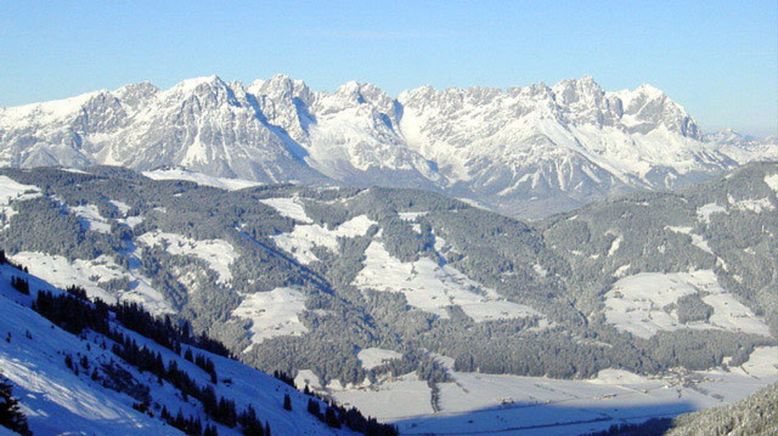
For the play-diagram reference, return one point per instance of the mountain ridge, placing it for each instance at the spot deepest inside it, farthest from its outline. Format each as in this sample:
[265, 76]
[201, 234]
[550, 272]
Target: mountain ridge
[523, 151]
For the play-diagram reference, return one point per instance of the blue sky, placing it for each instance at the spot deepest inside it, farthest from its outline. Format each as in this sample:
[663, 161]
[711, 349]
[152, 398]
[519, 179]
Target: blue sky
[717, 58]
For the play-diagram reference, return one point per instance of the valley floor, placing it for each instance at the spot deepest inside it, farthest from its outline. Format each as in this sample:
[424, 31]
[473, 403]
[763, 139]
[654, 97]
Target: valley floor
[484, 403]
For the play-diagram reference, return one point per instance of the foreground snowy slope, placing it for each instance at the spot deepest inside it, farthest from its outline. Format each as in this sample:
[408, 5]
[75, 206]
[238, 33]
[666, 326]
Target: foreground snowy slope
[98, 393]
[524, 151]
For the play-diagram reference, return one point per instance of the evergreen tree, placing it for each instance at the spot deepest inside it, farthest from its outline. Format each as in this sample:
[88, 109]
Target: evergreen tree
[331, 418]
[10, 414]
[210, 430]
[313, 407]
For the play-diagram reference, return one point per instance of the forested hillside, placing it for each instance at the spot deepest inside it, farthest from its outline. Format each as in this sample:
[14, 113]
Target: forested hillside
[292, 278]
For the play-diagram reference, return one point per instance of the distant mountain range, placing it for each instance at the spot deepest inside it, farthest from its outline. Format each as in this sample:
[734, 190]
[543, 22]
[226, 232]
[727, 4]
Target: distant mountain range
[525, 151]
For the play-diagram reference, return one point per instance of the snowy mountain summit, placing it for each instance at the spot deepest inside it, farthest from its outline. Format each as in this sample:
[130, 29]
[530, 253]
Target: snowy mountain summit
[524, 151]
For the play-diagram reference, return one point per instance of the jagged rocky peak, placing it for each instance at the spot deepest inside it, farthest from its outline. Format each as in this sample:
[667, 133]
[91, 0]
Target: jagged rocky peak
[135, 95]
[353, 94]
[281, 87]
[583, 101]
[646, 107]
[208, 91]
[573, 90]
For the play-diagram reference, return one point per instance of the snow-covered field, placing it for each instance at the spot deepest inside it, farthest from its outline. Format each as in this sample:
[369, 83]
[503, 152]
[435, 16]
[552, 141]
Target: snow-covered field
[301, 241]
[432, 288]
[373, 357]
[10, 191]
[485, 403]
[402, 396]
[772, 182]
[697, 240]
[288, 207]
[91, 218]
[219, 254]
[92, 276]
[274, 313]
[637, 304]
[704, 212]
[756, 205]
[201, 179]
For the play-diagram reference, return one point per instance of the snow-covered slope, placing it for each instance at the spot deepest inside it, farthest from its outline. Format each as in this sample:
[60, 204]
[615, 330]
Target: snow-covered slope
[524, 151]
[58, 399]
[200, 178]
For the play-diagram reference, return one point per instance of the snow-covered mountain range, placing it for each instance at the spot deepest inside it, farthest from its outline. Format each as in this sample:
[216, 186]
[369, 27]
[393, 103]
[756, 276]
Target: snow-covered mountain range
[524, 151]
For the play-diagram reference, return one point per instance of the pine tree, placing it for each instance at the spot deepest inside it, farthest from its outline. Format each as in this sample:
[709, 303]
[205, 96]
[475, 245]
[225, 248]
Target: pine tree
[331, 418]
[10, 414]
[313, 407]
[210, 430]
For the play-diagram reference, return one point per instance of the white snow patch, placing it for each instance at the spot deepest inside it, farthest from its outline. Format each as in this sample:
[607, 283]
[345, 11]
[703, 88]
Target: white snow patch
[756, 205]
[224, 183]
[90, 275]
[10, 191]
[274, 313]
[373, 357]
[763, 362]
[132, 221]
[697, 240]
[772, 182]
[432, 288]
[410, 216]
[301, 241]
[306, 377]
[617, 376]
[705, 211]
[620, 271]
[122, 206]
[403, 396]
[635, 304]
[539, 270]
[289, 207]
[615, 245]
[218, 253]
[91, 218]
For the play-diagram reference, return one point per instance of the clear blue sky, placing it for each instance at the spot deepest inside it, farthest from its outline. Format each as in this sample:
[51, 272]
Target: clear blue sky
[717, 58]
